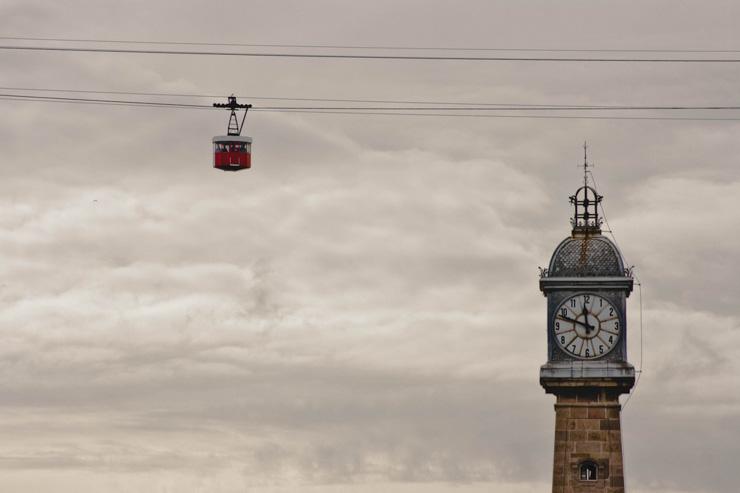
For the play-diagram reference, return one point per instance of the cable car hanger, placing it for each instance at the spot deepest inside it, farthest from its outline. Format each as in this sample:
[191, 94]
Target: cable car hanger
[234, 128]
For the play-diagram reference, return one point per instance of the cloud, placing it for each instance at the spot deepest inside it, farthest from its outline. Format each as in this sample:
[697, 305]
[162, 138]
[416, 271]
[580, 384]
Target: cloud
[359, 312]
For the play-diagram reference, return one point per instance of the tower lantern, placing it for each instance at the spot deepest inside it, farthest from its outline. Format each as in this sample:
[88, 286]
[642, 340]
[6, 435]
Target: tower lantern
[586, 214]
[586, 202]
[587, 285]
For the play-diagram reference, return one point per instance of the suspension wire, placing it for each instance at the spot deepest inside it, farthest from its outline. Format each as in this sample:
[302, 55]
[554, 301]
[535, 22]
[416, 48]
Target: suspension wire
[503, 108]
[642, 350]
[392, 101]
[365, 111]
[388, 108]
[123, 93]
[267, 98]
[369, 57]
[332, 100]
[372, 47]
[23, 97]
[489, 115]
[639, 371]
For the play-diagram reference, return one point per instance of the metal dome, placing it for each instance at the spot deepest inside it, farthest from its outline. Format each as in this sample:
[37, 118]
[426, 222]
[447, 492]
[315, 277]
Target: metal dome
[586, 256]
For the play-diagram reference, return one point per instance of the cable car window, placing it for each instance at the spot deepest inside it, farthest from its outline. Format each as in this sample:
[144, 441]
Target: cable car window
[589, 471]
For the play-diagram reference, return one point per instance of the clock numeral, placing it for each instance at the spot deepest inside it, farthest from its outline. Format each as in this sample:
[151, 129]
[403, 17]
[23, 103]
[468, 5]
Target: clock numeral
[573, 302]
[587, 353]
[562, 339]
[574, 349]
[586, 299]
[601, 349]
[557, 325]
[611, 312]
[564, 312]
[611, 339]
[616, 325]
[601, 302]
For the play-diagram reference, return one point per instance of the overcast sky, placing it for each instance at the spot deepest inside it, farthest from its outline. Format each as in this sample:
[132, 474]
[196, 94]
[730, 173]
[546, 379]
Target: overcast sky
[360, 311]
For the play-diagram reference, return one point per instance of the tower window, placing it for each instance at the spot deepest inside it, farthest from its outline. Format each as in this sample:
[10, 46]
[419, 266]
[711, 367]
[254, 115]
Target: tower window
[589, 471]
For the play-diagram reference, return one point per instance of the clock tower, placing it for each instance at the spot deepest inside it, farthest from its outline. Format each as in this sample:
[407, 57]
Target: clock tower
[587, 285]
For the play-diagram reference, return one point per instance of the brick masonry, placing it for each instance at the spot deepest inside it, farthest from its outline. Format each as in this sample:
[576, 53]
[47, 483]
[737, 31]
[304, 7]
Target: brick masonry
[588, 428]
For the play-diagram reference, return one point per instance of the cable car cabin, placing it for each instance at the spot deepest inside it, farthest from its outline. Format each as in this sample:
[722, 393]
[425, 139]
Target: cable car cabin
[232, 152]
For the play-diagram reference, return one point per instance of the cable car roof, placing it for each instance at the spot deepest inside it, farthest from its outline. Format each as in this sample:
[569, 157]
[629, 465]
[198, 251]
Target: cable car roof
[231, 138]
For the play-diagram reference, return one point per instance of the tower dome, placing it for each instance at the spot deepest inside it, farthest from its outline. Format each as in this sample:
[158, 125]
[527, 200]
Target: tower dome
[586, 256]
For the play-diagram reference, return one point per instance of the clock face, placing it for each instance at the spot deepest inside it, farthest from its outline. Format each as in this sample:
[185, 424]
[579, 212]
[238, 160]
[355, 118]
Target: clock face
[586, 326]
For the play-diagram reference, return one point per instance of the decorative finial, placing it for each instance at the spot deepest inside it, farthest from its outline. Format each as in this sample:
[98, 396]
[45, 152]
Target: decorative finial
[586, 201]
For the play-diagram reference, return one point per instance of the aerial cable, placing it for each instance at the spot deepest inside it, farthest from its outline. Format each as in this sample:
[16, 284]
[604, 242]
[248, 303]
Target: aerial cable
[273, 98]
[94, 103]
[392, 108]
[472, 105]
[501, 108]
[472, 115]
[371, 47]
[60, 99]
[331, 110]
[370, 57]
[123, 93]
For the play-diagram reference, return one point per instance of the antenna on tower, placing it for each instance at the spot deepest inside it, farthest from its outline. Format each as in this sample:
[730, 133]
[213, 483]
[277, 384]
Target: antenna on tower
[585, 163]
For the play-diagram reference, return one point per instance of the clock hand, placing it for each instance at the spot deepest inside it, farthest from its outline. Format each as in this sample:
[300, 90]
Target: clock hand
[588, 326]
[575, 322]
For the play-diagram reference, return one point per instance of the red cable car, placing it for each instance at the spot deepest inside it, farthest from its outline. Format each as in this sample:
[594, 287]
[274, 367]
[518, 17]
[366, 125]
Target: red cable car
[232, 152]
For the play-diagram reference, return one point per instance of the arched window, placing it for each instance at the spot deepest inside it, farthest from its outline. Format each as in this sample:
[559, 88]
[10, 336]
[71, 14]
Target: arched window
[589, 471]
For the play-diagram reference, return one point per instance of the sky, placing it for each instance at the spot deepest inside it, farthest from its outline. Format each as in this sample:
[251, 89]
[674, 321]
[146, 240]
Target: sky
[360, 311]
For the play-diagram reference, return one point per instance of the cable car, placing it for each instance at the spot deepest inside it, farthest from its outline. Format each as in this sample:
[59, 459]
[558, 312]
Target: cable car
[232, 152]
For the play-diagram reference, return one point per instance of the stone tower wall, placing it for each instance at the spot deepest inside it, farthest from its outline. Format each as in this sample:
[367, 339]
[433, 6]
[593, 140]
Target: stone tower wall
[588, 428]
